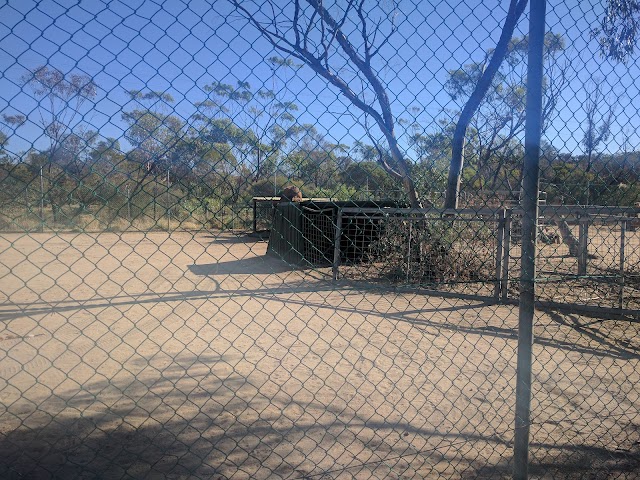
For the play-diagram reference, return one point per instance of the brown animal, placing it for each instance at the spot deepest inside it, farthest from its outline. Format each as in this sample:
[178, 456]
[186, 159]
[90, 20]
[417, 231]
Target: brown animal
[291, 194]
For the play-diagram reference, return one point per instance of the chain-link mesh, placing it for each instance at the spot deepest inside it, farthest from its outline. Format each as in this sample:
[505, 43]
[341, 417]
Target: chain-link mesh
[256, 239]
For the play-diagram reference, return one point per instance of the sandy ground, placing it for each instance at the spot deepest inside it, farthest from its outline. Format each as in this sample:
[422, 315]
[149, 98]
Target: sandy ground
[193, 355]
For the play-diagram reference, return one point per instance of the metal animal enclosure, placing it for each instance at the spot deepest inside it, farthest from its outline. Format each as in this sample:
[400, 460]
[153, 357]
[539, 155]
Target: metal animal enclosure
[484, 259]
[148, 326]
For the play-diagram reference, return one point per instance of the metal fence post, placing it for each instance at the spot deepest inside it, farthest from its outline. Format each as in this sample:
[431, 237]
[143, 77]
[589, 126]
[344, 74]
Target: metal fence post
[128, 204]
[168, 204]
[623, 230]
[500, 253]
[255, 215]
[42, 221]
[507, 254]
[336, 245]
[409, 252]
[530, 184]
[583, 244]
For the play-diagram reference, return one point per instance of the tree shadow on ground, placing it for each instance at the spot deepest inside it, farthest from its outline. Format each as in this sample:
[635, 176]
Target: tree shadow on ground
[107, 431]
[508, 330]
[569, 462]
[597, 333]
[262, 265]
[199, 416]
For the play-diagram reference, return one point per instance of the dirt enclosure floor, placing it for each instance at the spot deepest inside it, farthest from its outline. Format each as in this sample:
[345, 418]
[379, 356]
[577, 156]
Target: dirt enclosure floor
[177, 355]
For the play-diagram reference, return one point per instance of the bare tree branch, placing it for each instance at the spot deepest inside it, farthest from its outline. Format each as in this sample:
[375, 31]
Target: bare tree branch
[319, 58]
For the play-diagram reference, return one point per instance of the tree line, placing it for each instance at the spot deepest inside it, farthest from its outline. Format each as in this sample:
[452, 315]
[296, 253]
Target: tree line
[239, 141]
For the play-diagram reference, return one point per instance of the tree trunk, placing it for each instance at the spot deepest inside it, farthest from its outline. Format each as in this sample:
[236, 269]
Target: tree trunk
[516, 8]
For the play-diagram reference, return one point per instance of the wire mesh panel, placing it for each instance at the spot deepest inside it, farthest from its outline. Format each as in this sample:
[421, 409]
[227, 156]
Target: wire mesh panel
[263, 211]
[458, 253]
[584, 401]
[604, 274]
[597, 267]
[263, 239]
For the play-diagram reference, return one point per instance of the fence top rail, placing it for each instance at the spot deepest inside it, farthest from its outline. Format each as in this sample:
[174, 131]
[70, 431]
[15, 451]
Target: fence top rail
[277, 199]
[422, 211]
[560, 210]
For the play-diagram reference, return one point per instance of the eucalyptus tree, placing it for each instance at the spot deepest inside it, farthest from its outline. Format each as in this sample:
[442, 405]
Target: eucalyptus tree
[344, 46]
[257, 123]
[8, 126]
[152, 128]
[598, 118]
[61, 99]
[495, 131]
[619, 28]
[154, 132]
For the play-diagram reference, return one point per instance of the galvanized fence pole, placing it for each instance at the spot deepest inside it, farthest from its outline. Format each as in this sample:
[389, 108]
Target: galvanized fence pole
[623, 230]
[507, 254]
[583, 244]
[409, 252]
[128, 203]
[42, 221]
[531, 181]
[500, 252]
[168, 204]
[336, 246]
[255, 215]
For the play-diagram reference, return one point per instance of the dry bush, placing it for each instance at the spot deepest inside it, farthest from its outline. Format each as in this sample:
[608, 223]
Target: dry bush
[427, 252]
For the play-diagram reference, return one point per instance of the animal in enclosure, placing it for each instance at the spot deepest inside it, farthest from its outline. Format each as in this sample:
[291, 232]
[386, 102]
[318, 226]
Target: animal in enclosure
[291, 194]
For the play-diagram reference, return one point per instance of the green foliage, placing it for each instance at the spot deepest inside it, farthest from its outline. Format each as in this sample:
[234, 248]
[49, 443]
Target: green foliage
[65, 95]
[242, 142]
[493, 151]
[618, 30]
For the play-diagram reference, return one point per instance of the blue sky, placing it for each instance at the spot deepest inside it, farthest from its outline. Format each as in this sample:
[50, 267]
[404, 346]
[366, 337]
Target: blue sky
[179, 46]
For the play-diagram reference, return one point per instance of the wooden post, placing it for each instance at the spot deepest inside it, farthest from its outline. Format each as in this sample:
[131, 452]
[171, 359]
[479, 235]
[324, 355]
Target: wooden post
[336, 245]
[583, 242]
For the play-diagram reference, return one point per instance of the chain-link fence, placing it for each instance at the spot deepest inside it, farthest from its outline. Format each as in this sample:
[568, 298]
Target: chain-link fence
[245, 239]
